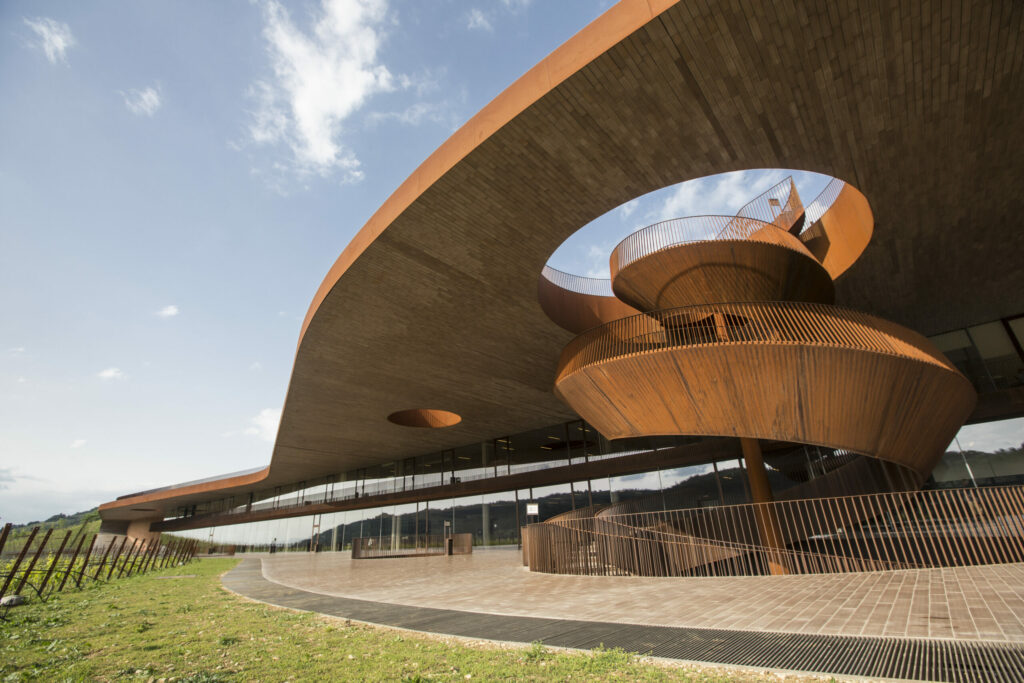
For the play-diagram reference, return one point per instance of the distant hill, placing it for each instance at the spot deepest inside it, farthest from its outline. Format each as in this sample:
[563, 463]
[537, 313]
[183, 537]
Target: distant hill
[87, 521]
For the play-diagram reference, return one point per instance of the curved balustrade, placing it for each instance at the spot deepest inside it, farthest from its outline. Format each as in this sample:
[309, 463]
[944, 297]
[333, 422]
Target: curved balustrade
[676, 231]
[779, 205]
[738, 339]
[823, 202]
[577, 303]
[785, 371]
[757, 323]
[770, 265]
[903, 530]
[577, 283]
[842, 232]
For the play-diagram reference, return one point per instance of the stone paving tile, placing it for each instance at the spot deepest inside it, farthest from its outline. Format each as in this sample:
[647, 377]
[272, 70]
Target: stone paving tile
[968, 603]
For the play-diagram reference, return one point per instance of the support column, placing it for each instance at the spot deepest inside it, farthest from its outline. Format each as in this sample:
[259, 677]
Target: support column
[139, 529]
[396, 531]
[486, 448]
[761, 492]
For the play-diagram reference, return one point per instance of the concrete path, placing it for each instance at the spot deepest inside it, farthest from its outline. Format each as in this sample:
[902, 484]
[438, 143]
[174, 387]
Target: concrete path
[937, 659]
[965, 603]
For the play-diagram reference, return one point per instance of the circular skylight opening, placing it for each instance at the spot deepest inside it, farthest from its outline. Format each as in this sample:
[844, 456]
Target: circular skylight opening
[425, 418]
[585, 253]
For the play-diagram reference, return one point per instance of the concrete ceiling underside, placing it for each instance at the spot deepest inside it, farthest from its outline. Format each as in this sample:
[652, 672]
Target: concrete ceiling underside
[434, 304]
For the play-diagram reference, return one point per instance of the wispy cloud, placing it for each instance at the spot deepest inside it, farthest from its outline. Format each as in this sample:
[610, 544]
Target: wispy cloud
[722, 195]
[168, 311]
[78, 443]
[110, 373]
[54, 37]
[16, 351]
[6, 478]
[265, 424]
[319, 80]
[415, 114]
[627, 209]
[477, 20]
[143, 102]
[256, 366]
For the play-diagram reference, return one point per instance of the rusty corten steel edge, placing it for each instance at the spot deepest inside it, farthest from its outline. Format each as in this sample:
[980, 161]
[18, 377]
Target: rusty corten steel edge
[17, 562]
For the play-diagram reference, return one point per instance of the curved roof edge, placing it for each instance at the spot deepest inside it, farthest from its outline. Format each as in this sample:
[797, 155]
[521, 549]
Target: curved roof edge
[600, 35]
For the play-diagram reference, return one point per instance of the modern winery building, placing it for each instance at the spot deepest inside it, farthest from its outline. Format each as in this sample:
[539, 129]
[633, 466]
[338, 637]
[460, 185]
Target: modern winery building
[758, 393]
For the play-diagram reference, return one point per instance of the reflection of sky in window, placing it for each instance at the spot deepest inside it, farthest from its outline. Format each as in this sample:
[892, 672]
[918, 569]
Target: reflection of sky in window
[991, 436]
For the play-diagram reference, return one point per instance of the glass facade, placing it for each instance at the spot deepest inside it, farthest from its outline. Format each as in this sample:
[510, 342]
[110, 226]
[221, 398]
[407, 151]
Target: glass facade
[990, 454]
[991, 355]
[981, 455]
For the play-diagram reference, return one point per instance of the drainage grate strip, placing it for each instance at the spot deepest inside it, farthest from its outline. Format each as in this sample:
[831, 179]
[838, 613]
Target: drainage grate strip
[873, 657]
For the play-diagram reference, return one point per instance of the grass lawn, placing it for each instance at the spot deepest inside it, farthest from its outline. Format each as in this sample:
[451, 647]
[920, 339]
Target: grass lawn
[188, 628]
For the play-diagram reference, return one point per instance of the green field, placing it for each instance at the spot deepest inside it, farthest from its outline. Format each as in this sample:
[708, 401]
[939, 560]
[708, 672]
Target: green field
[180, 624]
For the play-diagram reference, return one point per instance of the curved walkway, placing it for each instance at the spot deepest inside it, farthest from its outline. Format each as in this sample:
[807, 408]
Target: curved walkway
[943, 624]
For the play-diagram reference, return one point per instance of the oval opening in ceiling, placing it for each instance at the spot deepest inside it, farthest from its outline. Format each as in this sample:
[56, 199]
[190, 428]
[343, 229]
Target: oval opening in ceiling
[425, 418]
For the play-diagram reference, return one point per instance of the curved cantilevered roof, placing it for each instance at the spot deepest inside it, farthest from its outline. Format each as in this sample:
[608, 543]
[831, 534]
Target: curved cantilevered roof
[434, 302]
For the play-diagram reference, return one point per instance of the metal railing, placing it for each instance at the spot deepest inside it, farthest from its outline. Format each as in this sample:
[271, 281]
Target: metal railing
[779, 205]
[47, 563]
[755, 323]
[398, 484]
[823, 202]
[577, 283]
[885, 531]
[677, 231]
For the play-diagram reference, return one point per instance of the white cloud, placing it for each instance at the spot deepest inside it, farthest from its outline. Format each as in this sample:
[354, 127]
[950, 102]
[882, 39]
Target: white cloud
[256, 366]
[54, 37]
[16, 351]
[143, 102]
[414, 115]
[21, 380]
[476, 19]
[110, 373]
[78, 443]
[265, 424]
[627, 209]
[168, 311]
[720, 195]
[319, 80]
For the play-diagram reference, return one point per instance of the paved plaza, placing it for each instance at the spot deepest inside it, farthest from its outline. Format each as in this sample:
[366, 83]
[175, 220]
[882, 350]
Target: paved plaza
[984, 603]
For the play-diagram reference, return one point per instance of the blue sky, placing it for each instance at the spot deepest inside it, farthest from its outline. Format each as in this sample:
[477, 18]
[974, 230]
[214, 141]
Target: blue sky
[176, 179]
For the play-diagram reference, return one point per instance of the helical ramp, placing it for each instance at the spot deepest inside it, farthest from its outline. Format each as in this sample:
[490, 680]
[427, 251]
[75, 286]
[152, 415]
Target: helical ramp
[725, 326]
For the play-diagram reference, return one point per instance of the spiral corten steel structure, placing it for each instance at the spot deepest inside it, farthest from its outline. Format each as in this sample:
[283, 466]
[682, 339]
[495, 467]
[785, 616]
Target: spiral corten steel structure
[734, 340]
[761, 356]
[434, 303]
